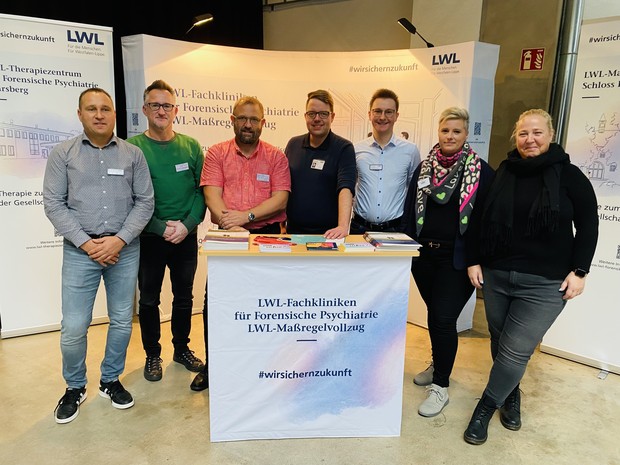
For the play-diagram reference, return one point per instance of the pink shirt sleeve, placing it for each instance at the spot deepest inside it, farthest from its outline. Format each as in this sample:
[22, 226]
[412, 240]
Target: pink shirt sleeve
[212, 170]
[281, 173]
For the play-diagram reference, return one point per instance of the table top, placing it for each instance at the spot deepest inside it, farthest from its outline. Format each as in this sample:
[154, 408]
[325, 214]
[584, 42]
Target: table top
[298, 249]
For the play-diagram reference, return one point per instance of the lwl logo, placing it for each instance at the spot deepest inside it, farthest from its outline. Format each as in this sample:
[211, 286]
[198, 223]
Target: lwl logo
[445, 59]
[83, 37]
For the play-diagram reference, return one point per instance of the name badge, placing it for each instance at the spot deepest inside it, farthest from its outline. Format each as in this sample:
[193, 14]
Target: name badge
[376, 167]
[181, 167]
[116, 171]
[317, 164]
[424, 182]
[262, 177]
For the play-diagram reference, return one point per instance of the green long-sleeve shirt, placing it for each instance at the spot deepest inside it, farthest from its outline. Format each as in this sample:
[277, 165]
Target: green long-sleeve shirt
[175, 167]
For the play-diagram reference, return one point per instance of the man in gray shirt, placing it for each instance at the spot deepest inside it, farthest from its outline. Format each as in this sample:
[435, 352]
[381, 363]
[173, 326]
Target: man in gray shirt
[97, 192]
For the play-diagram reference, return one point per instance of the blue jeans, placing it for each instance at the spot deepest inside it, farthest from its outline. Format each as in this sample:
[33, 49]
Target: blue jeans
[520, 308]
[80, 280]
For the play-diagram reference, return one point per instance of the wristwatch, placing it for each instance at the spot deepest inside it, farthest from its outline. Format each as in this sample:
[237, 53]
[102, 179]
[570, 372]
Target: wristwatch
[580, 272]
[251, 217]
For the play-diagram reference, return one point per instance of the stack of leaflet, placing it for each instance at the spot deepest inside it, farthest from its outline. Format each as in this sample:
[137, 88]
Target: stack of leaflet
[354, 247]
[221, 239]
[273, 244]
[391, 241]
[275, 248]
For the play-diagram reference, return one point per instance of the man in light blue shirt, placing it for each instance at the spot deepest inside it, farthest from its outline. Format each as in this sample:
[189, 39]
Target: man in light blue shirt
[385, 164]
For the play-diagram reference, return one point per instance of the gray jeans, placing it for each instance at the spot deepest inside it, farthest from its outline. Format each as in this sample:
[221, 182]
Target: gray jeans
[520, 308]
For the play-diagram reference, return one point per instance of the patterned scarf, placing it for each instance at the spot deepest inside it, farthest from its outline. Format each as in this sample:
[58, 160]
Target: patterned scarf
[439, 178]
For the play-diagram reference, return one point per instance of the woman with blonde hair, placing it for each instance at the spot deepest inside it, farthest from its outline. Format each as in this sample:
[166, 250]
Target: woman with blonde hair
[539, 229]
[445, 189]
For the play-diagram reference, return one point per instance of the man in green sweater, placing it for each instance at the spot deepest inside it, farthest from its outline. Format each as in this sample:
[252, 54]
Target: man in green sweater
[169, 239]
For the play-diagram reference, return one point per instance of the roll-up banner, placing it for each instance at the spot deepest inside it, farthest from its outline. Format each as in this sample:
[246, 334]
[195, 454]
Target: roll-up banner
[587, 329]
[45, 66]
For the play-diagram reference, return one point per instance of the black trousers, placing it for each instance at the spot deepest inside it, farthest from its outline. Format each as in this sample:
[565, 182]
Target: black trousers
[445, 292]
[360, 225]
[182, 259]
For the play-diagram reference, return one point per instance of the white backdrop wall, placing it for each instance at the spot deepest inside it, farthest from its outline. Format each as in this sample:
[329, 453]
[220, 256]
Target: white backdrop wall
[208, 79]
[45, 66]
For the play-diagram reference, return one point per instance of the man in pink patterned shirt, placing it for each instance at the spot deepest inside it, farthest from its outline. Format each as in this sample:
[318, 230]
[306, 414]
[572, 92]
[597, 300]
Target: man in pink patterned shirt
[246, 183]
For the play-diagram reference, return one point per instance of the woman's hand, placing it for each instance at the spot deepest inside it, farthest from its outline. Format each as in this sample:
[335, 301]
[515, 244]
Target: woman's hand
[475, 276]
[572, 286]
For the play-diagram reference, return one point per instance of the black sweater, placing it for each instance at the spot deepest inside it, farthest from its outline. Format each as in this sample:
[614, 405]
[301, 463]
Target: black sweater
[552, 255]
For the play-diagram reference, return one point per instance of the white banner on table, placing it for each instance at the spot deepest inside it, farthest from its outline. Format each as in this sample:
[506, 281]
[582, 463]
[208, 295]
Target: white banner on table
[587, 330]
[306, 346]
[45, 66]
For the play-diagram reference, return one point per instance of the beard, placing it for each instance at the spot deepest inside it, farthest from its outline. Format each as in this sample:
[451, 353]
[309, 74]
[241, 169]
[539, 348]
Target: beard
[248, 137]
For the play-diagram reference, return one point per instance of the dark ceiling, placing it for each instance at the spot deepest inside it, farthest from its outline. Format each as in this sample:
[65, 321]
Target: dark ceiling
[236, 23]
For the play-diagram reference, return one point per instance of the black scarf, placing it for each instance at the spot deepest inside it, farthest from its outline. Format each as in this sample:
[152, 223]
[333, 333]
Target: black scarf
[498, 214]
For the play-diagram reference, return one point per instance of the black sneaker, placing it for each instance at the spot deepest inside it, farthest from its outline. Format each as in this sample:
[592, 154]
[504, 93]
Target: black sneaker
[115, 391]
[189, 361]
[152, 368]
[68, 407]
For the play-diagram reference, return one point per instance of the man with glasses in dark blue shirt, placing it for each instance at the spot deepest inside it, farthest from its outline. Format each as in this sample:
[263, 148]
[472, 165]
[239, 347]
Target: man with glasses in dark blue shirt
[323, 174]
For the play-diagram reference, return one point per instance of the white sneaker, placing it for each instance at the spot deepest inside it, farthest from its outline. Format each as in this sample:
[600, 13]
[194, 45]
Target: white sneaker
[424, 378]
[435, 402]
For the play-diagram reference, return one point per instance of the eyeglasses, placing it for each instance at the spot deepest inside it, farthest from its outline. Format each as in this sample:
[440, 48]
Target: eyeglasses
[156, 106]
[378, 112]
[322, 114]
[254, 121]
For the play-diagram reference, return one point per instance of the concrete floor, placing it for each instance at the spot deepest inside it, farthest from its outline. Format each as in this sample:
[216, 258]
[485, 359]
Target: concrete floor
[570, 416]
